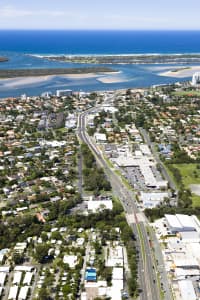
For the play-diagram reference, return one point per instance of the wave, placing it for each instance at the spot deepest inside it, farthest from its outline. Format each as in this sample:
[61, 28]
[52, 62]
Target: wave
[111, 55]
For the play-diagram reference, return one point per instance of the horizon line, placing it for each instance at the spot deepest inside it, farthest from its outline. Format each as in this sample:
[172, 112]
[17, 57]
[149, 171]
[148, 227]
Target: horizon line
[96, 29]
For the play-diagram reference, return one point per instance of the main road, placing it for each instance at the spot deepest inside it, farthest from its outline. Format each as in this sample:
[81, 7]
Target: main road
[148, 276]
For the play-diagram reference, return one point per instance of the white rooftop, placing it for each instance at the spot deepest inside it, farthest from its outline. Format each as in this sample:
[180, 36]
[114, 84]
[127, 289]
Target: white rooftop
[5, 269]
[94, 205]
[13, 293]
[17, 277]
[71, 260]
[187, 290]
[173, 221]
[27, 278]
[186, 221]
[24, 268]
[117, 273]
[2, 278]
[23, 293]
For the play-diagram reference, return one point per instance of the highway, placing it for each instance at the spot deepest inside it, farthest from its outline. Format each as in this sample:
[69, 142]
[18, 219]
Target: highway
[149, 284]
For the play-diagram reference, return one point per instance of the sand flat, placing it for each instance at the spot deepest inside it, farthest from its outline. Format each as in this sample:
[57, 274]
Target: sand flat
[23, 81]
[181, 72]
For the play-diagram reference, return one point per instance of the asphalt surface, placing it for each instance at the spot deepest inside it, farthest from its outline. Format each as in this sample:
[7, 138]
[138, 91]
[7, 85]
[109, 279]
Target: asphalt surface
[147, 274]
[156, 156]
[80, 175]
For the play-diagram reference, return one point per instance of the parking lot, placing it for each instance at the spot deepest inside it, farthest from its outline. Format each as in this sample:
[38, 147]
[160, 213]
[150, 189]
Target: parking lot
[135, 177]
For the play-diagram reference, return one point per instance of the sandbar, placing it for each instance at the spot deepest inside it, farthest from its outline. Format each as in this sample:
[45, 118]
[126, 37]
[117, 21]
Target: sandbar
[181, 72]
[20, 81]
[23, 81]
[111, 79]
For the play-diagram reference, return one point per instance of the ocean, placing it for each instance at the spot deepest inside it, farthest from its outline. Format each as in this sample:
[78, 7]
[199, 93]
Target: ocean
[17, 45]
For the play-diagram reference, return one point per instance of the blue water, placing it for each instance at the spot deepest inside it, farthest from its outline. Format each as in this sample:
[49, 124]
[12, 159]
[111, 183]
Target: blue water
[17, 44]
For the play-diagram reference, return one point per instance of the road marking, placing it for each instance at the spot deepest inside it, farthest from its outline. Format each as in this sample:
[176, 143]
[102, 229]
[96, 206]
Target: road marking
[131, 218]
[141, 217]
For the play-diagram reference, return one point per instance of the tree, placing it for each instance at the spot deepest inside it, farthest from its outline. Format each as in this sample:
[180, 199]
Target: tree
[41, 251]
[44, 294]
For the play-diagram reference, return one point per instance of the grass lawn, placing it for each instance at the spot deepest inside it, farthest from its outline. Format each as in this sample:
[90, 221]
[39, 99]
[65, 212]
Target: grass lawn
[187, 93]
[187, 173]
[189, 177]
[195, 200]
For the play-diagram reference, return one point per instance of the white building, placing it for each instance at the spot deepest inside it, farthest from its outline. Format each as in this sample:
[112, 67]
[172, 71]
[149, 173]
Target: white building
[13, 293]
[1, 291]
[23, 294]
[17, 277]
[180, 223]
[28, 278]
[100, 137]
[71, 260]
[5, 269]
[2, 278]
[153, 199]
[187, 290]
[24, 268]
[115, 257]
[117, 283]
[61, 93]
[196, 79]
[95, 205]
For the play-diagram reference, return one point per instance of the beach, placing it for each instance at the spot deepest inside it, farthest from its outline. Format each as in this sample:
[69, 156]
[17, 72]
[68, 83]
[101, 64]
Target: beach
[181, 72]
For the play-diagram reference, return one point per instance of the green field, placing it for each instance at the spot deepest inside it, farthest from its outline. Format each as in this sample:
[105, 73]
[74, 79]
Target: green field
[190, 175]
[189, 93]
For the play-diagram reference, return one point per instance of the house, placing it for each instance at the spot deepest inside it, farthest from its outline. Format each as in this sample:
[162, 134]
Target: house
[71, 260]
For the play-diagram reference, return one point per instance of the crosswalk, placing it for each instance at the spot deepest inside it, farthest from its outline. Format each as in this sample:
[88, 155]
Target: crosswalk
[131, 218]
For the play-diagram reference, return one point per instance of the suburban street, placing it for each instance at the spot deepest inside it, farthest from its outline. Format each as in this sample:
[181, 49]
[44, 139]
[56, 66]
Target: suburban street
[149, 285]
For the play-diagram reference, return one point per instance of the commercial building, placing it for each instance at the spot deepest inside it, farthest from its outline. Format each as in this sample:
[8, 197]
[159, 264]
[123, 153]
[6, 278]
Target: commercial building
[28, 278]
[2, 278]
[13, 293]
[145, 165]
[95, 205]
[115, 257]
[187, 290]
[181, 223]
[196, 79]
[117, 283]
[1, 291]
[23, 294]
[152, 199]
[61, 93]
[100, 137]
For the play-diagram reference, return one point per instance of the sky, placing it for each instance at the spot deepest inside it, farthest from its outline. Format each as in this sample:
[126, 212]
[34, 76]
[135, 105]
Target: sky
[100, 14]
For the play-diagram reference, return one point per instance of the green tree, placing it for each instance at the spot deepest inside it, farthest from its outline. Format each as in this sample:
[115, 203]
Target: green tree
[41, 251]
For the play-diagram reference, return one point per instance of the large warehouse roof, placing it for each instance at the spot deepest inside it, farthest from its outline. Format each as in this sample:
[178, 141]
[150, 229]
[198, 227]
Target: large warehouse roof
[187, 290]
[186, 221]
[173, 222]
[181, 222]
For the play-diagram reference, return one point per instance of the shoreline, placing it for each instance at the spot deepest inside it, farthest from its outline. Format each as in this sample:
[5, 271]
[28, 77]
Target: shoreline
[154, 58]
